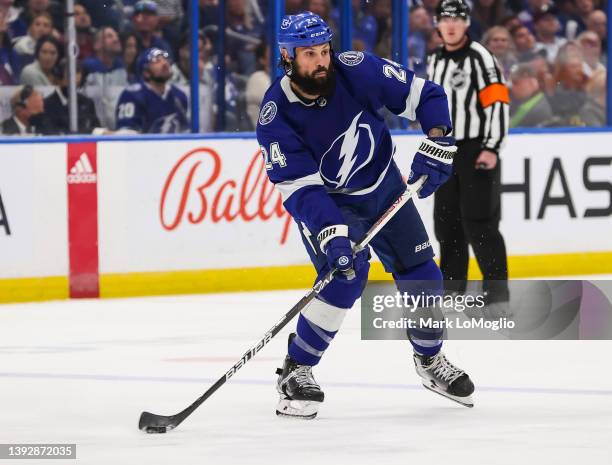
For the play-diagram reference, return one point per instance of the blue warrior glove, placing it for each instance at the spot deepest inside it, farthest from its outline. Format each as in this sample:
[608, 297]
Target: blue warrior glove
[434, 159]
[334, 242]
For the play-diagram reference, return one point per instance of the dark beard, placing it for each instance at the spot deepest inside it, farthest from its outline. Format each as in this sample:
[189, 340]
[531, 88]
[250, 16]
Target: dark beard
[160, 79]
[315, 86]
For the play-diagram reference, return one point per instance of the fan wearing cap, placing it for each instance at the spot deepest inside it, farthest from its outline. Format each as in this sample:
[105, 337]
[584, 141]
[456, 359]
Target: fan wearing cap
[146, 24]
[153, 105]
[467, 208]
[547, 26]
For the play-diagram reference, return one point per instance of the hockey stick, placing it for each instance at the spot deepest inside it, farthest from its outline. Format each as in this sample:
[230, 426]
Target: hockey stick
[152, 423]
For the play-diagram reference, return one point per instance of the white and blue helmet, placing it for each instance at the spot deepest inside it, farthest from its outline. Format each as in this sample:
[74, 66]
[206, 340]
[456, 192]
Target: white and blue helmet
[303, 30]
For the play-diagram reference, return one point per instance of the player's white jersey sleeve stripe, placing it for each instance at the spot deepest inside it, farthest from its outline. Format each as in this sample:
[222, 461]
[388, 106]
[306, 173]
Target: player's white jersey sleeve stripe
[414, 97]
[288, 188]
[324, 315]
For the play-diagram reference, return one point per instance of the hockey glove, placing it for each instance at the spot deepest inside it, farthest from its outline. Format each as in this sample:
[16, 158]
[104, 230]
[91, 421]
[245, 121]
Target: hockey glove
[335, 244]
[434, 159]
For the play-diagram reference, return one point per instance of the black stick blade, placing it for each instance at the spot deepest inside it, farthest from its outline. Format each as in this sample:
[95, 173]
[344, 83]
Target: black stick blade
[155, 424]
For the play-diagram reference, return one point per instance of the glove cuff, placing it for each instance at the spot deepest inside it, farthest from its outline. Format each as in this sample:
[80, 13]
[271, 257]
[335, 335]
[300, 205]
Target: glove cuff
[329, 233]
[441, 153]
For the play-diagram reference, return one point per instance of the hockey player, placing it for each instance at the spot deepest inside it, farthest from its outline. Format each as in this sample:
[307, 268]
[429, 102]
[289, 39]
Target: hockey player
[330, 154]
[152, 105]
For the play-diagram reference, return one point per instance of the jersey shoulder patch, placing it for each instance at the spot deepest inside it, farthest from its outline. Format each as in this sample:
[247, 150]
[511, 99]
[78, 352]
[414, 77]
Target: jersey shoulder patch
[351, 58]
[268, 113]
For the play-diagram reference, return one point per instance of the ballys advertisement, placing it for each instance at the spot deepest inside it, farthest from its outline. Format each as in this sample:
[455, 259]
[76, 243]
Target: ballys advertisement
[208, 204]
[191, 205]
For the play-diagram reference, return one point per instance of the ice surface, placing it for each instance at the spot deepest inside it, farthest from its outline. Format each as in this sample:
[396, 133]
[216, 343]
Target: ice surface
[82, 371]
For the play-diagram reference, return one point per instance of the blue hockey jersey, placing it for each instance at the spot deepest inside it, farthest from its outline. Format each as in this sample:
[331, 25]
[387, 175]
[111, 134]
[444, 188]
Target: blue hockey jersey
[340, 145]
[141, 109]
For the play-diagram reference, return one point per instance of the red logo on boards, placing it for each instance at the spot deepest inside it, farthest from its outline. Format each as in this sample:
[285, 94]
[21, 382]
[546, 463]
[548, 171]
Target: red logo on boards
[193, 193]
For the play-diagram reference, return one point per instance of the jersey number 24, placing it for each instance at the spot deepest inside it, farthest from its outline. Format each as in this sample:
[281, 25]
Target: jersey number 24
[275, 156]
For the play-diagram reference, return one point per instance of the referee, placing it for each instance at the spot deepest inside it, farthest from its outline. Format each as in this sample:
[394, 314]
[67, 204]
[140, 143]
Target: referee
[467, 207]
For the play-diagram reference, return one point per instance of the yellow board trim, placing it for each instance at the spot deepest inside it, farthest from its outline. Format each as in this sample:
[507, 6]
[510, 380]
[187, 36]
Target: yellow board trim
[34, 289]
[274, 278]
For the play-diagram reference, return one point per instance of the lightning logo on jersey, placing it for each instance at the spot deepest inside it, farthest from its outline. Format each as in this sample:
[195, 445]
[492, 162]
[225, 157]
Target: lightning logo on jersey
[350, 152]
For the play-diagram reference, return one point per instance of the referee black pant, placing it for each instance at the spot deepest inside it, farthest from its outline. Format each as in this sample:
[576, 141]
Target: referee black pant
[467, 210]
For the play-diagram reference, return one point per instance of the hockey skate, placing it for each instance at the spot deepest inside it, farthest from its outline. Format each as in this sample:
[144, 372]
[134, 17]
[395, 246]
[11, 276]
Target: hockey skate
[300, 395]
[442, 377]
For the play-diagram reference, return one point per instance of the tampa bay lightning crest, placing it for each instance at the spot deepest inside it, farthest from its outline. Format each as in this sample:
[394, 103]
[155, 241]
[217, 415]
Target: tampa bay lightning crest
[267, 114]
[348, 154]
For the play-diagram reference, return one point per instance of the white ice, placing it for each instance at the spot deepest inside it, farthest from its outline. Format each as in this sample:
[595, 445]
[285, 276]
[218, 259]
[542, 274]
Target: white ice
[82, 371]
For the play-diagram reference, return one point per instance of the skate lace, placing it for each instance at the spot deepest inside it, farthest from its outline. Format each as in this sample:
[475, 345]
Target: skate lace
[303, 375]
[444, 369]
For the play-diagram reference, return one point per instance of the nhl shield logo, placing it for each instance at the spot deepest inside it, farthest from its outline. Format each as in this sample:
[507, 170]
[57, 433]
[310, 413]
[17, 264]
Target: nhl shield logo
[351, 58]
[458, 79]
[267, 114]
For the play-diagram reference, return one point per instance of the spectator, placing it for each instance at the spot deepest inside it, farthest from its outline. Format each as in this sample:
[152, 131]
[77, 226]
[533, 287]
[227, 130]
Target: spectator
[576, 23]
[154, 105]
[433, 40]
[105, 13]
[319, 7]
[9, 63]
[485, 14]
[547, 26]
[85, 32]
[293, 7]
[181, 70]
[365, 27]
[105, 74]
[56, 104]
[242, 37]
[419, 25]
[105, 68]
[430, 6]
[47, 54]
[590, 45]
[258, 83]
[524, 42]
[146, 24]
[33, 8]
[529, 106]
[381, 10]
[28, 114]
[510, 22]
[40, 26]
[498, 41]
[526, 16]
[569, 95]
[598, 23]
[543, 72]
[12, 14]
[170, 18]
[593, 113]
[130, 43]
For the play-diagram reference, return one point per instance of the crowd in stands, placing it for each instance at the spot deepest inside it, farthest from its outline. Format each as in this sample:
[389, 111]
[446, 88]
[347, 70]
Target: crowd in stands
[552, 54]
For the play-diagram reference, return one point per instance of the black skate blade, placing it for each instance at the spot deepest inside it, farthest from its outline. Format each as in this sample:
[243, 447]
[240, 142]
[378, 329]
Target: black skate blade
[469, 403]
[296, 417]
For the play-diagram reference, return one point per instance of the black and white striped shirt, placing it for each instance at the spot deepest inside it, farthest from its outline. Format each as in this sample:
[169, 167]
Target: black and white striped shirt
[477, 95]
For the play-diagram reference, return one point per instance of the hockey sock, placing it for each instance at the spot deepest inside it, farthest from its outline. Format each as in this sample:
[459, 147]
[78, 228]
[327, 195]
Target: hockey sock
[424, 279]
[310, 342]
